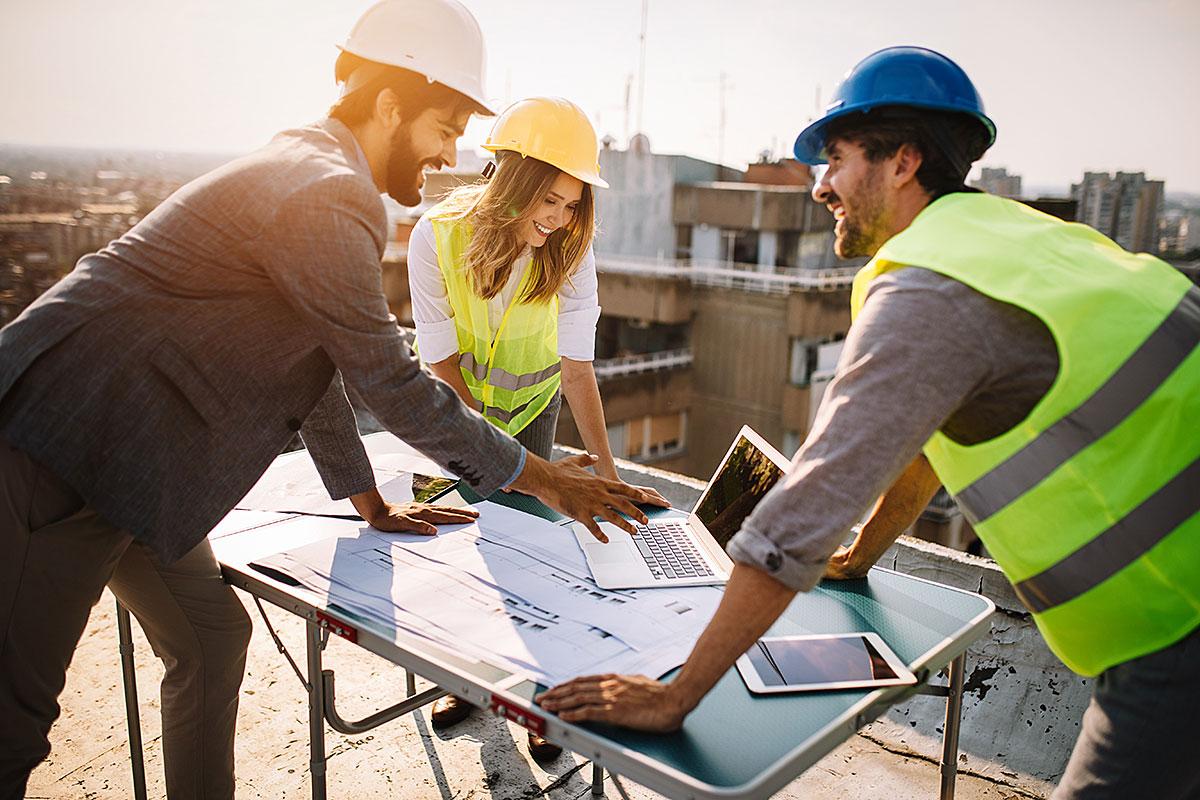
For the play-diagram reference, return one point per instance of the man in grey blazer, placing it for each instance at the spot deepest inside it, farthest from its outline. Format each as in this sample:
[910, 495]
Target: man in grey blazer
[142, 396]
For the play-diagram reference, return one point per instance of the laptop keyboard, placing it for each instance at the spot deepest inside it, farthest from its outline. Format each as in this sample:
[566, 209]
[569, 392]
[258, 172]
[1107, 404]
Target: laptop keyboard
[669, 551]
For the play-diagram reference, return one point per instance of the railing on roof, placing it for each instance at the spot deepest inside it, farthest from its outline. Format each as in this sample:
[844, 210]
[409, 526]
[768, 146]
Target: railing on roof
[644, 362]
[748, 277]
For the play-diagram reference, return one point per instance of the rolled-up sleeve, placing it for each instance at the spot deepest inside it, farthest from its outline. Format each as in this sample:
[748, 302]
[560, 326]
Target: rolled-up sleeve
[578, 311]
[908, 363]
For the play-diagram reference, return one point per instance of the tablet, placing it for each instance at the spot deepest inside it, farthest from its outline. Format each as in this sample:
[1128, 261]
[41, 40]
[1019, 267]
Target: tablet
[780, 664]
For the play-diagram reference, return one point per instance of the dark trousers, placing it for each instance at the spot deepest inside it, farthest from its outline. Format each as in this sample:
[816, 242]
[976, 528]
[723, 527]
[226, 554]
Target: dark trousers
[58, 556]
[1140, 736]
[538, 435]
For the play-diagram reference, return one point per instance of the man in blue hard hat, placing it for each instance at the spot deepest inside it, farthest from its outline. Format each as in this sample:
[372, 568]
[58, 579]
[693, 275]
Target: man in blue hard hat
[1048, 378]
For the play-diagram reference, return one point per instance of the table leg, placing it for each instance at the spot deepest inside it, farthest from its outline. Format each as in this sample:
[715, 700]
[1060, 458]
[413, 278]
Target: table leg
[410, 683]
[953, 718]
[129, 678]
[316, 711]
[597, 780]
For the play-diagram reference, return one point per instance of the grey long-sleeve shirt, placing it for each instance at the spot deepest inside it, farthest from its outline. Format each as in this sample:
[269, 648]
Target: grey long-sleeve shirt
[926, 353]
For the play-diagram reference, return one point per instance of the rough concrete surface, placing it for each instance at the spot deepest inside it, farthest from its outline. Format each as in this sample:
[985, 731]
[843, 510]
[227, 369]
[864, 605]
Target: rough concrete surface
[481, 758]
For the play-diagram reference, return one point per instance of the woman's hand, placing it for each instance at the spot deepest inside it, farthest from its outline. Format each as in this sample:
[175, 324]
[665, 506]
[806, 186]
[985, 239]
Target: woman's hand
[652, 496]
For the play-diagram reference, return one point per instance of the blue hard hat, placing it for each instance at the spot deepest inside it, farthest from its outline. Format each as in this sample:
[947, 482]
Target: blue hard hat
[915, 77]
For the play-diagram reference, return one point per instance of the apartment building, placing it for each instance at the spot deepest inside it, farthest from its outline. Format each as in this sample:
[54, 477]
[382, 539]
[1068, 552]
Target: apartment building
[997, 181]
[1125, 207]
[37, 249]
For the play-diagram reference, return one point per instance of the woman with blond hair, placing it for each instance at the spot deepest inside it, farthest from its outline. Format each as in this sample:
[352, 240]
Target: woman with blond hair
[503, 286]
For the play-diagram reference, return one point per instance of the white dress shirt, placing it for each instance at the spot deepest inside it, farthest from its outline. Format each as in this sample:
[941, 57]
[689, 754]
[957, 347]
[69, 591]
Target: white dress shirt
[578, 301]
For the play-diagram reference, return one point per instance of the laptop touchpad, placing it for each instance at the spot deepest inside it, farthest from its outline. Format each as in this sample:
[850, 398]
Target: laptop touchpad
[611, 553]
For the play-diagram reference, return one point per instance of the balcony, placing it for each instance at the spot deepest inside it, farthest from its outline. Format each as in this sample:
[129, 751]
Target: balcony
[608, 368]
[731, 275]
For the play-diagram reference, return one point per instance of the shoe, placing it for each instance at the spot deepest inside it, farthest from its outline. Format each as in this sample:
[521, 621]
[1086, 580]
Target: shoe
[543, 752]
[449, 710]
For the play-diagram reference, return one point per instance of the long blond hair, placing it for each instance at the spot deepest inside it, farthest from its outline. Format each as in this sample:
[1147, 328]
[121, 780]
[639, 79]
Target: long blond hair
[496, 209]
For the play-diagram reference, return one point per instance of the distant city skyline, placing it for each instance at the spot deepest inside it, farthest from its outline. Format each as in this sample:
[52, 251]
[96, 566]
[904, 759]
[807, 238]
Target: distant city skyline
[1074, 86]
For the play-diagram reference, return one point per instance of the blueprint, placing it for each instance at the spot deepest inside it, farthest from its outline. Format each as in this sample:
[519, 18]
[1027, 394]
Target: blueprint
[510, 589]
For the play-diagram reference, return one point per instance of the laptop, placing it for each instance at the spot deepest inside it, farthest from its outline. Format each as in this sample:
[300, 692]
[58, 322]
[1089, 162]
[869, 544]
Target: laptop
[688, 551]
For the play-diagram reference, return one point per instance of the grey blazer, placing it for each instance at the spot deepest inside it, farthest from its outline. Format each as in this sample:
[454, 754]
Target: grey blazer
[162, 376]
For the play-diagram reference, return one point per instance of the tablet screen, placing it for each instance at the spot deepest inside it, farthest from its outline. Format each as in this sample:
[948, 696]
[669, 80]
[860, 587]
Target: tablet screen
[793, 662]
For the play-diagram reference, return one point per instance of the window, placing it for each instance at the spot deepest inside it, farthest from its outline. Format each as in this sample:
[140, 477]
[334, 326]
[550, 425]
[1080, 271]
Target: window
[648, 437]
[743, 247]
[814, 356]
[683, 241]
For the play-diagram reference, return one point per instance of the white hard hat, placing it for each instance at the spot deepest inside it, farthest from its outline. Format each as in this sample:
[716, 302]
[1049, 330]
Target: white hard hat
[439, 39]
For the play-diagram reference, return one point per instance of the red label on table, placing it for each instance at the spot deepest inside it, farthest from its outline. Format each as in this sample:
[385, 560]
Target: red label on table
[336, 626]
[511, 711]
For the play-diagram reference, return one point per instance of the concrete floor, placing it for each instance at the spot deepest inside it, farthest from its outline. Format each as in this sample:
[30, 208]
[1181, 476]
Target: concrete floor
[482, 758]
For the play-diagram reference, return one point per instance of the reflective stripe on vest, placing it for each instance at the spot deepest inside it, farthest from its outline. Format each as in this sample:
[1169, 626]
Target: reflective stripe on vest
[1091, 504]
[513, 371]
[1129, 386]
[503, 378]
[1119, 546]
[504, 415]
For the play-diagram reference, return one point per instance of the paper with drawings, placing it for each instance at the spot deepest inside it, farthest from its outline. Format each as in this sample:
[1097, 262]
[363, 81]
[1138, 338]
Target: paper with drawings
[540, 562]
[510, 589]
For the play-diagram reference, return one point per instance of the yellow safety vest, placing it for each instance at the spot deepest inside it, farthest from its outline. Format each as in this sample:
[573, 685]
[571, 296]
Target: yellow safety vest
[1090, 504]
[513, 371]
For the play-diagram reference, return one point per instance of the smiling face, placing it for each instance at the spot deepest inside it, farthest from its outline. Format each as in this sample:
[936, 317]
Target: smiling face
[427, 143]
[555, 210]
[853, 188]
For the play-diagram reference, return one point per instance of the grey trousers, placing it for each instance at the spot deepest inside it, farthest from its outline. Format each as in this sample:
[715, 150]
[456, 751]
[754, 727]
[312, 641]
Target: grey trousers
[1140, 735]
[538, 435]
[58, 556]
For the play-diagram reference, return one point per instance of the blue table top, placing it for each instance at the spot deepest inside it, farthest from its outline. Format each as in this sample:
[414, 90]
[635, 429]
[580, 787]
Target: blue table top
[734, 736]
[734, 744]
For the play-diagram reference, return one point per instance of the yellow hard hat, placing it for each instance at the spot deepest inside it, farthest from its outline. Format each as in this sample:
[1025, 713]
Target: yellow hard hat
[553, 130]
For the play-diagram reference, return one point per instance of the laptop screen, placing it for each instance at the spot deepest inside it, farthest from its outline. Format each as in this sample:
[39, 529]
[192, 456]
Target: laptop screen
[747, 474]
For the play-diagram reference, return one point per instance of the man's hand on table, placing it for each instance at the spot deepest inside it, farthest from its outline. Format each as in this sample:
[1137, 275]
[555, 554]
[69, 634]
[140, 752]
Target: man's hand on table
[633, 701]
[753, 600]
[845, 564]
[568, 487]
[419, 518]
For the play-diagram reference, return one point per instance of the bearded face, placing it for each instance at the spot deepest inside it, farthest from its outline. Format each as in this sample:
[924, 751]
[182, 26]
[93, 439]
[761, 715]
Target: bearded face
[852, 188]
[406, 168]
[859, 230]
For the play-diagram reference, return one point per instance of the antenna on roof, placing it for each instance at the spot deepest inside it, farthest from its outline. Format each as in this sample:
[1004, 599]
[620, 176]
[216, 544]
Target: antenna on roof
[628, 95]
[721, 123]
[642, 66]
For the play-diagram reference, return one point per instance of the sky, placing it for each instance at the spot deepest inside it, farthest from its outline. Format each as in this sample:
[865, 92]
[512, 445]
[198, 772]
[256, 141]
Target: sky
[1072, 85]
